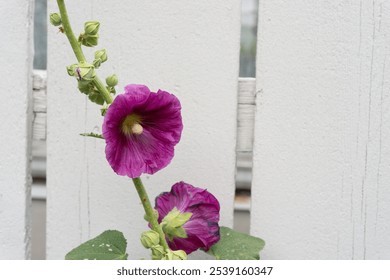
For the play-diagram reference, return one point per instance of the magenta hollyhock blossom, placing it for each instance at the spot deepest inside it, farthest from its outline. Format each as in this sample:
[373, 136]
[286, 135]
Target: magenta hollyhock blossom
[141, 129]
[202, 228]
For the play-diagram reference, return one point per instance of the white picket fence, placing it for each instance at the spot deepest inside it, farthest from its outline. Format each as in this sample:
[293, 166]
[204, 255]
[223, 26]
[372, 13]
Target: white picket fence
[321, 175]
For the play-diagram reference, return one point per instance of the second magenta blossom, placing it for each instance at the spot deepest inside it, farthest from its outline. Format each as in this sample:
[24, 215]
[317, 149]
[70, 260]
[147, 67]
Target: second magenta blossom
[141, 129]
[195, 211]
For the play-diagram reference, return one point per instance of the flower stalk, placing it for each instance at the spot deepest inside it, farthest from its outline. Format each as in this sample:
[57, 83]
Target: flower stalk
[149, 211]
[108, 99]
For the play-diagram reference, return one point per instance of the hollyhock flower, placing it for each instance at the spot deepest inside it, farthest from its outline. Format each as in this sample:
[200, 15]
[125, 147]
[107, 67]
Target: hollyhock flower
[199, 216]
[141, 129]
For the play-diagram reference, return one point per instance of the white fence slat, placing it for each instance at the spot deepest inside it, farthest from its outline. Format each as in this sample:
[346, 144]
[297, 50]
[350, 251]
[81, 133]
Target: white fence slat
[245, 114]
[190, 48]
[321, 186]
[39, 105]
[16, 115]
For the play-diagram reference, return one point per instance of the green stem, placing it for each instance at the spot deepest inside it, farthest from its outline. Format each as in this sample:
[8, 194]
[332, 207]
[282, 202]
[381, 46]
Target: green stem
[149, 211]
[102, 89]
[69, 32]
[78, 51]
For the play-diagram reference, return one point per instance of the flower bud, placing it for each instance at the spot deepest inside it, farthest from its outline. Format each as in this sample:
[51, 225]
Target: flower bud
[158, 252]
[150, 238]
[91, 27]
[55, 19]
[85, 71]
[71, 69]
[85, 87]
[89, 40]
[112, 80]
[96, 97]
[102, 55]
[175, 255]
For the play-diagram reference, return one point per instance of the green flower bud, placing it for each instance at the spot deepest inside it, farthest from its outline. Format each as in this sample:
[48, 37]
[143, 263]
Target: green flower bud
[55, 19]
[97, 63]
[175, 255]
[85, 71]
[112, 80]
[150, 238]
[96, 97]
[88, 40]
[173, 222]
[91, 27]
[71, 69]
[158, 252]
[85, 87]
[102, 55]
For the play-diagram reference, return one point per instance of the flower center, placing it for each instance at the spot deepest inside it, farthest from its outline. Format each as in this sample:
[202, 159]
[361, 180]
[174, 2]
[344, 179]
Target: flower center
[131, 125]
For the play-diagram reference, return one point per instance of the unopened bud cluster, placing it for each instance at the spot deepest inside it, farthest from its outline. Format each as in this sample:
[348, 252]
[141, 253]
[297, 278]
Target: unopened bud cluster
[151, 240]
[85, 73]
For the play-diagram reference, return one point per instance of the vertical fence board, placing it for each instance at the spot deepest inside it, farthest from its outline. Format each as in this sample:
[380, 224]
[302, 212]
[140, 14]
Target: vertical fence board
[321, 186]
[189, 48]
[16, 115]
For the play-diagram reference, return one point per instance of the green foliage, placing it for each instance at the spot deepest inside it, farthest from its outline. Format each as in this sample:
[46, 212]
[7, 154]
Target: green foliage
[91, 134]
[234, 245]
[110, 245]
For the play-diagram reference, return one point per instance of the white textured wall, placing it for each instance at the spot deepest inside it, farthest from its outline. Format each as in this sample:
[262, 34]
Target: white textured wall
[15, 127]
[189, 48]
[322, 156]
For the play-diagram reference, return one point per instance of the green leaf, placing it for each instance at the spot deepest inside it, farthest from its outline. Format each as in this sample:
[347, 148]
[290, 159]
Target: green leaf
[91, 134]
[235, 245]
[110, 245]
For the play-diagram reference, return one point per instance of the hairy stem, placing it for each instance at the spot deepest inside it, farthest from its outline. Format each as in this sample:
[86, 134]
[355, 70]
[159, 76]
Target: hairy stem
[69, 32]
[149, 211]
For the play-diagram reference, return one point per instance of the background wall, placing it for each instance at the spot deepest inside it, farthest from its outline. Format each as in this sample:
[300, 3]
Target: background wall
[15, 126]
[322, 155]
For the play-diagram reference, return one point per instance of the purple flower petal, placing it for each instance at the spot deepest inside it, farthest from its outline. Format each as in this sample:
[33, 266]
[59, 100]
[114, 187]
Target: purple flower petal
[202, 228]
[141, 129]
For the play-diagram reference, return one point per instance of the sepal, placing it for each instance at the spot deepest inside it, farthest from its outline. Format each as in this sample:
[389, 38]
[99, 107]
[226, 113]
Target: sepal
[71, 69]
[173, 222]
